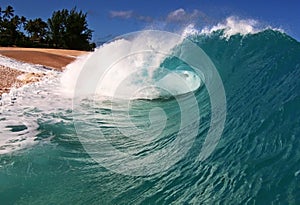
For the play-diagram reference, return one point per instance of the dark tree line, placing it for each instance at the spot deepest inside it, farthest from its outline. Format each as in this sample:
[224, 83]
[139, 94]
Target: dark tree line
[65, 29]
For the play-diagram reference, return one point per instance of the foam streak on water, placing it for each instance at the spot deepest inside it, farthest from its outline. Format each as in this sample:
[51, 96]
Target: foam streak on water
[22, 107]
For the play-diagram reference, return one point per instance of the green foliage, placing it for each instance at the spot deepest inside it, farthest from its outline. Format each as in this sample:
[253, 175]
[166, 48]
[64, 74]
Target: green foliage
[57, 27]
[65, 29]
[9, 23]
[37, 30]
[69, 29]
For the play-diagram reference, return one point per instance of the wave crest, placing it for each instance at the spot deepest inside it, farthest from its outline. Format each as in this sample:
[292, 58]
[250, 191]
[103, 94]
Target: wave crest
[231, 26]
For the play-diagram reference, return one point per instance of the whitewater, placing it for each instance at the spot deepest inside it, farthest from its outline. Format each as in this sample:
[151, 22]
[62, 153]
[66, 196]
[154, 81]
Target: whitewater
[152, 117]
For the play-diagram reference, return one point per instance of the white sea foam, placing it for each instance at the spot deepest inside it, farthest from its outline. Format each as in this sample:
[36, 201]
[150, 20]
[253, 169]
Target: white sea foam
[71, 74]
[25, 67]
[18, 115]
[189, 30]
[231, 26]
[123, 66]
[26, 106]
[22, 66]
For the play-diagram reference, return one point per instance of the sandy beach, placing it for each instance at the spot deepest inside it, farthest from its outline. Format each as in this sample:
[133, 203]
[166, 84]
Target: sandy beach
[52, 58]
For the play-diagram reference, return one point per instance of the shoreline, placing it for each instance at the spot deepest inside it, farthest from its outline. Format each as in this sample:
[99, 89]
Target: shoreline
[55, 59]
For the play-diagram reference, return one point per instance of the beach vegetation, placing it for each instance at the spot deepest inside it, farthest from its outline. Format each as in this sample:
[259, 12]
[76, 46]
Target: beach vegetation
[67, 29]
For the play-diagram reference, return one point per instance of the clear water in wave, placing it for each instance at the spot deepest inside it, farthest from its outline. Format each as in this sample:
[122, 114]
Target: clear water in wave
[256, 161]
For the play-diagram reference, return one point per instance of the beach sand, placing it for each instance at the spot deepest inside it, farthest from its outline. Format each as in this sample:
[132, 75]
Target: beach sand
[52, 58]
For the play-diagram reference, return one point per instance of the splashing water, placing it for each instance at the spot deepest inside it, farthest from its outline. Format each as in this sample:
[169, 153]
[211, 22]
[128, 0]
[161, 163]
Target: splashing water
[133, 60]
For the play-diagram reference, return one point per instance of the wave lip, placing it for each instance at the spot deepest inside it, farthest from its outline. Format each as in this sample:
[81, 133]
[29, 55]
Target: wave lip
[231, 26]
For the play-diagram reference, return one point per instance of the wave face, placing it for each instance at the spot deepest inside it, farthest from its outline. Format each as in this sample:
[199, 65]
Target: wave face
[256, 161]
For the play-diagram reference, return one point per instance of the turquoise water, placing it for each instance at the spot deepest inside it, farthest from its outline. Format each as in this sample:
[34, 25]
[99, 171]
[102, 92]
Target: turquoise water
[256, 160]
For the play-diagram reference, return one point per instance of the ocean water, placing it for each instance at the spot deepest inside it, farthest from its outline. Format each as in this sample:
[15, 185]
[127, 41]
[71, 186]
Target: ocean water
[167, 123]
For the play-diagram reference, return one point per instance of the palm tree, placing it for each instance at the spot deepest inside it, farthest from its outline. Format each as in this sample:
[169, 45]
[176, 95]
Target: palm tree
[14, 27]
[37, 29]
[15, 21]
[23, 20]
[8, 12]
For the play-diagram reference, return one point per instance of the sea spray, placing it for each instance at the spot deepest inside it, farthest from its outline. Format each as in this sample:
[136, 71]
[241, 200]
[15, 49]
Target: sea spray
[153, 49]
